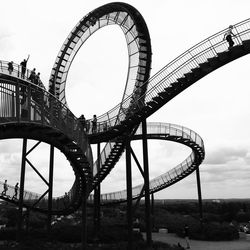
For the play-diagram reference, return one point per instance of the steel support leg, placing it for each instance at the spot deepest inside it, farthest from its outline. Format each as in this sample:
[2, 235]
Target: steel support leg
[146, 184]
[84, 219]
[51, 171]
[97, 195]
[152, 209]
[129, 194]
[20, 203]
[199, 193]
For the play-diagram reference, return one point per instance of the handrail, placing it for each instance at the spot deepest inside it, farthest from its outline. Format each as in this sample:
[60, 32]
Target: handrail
[199, 53]
[26, 102]
[17, 72]
[151, 127]
[171, 132]
[31, 198]
[41, 100]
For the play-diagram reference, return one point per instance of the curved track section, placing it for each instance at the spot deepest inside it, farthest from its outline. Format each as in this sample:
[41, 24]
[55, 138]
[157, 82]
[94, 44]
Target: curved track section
[137, 37]
[175, 77]
[169, 132]
[28, 111]
[138, 41]
[198, 61]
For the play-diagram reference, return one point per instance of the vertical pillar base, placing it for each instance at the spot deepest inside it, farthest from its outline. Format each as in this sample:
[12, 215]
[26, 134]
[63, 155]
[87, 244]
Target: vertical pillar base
[84, 220]
[20, 203]
[146, 184]
[129, 194]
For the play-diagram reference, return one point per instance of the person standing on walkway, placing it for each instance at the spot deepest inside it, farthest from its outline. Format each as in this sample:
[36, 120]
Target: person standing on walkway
[37, 80]
[32, 76]
[5, 188]
[24, 66]
[82, 121]
[16, 191]
[94, 124]
[186, 234]
[10, 67]
[229, 36]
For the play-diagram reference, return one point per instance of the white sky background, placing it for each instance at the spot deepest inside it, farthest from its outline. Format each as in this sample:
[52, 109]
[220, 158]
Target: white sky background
[216, 107]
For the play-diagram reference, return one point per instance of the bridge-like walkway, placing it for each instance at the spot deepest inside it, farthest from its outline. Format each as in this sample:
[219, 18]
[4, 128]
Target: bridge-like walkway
[28, 110]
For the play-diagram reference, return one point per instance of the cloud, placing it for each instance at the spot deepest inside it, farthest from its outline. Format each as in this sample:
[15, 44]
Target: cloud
[226, 154]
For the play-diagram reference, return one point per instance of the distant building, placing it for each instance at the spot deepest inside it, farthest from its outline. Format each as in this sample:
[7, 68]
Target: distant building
[216, 201]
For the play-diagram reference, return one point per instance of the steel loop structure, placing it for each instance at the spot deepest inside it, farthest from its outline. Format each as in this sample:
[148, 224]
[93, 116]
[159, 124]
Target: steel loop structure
[30, 111]
[168, 132]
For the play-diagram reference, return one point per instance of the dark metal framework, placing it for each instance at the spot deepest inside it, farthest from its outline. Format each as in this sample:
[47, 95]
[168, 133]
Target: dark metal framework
[168, 132]
[138, 42]
[45, 119]
[29, 111]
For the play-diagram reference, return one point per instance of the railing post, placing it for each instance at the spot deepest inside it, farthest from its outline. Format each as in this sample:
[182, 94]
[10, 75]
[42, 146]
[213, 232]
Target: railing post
[17, 102]
[238, 36]
[213, 49]
[29, 102]
[42, 106]
[12, 105]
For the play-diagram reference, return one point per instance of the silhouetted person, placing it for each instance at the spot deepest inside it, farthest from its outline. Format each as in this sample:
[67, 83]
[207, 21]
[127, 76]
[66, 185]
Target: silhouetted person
[66, 199]
[37, 80]
[24, 105]
[5, 188]
[229, 36]
[82, 121]
[16, 191]
[24, 66]
[105, 126]
[32, 76]
[87, 126]
[94, 124]
[10, 67]
[186, 234]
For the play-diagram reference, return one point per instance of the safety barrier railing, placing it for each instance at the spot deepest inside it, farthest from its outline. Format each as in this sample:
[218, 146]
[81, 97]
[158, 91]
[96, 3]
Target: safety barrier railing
[103, 157]
[24, 102]
[34, 200]
[17, 71]
[163, 130]
[169, 74]
[27, 102]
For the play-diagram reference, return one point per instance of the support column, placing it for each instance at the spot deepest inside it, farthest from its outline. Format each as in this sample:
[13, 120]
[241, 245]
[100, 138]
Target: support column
[97, 195]
[21, 191]
[84, 218]
[199, 193]
[152, 209]
[51, 172]
[146, 183]
[129, 194]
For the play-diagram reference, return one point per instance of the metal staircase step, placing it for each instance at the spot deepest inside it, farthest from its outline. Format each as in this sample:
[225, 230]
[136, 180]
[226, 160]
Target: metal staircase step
[189, 76]
[223, 56]
[158, 99]
[246, 45]
[164, 94]
[197, 71]
[214, 61]
[152, 104]
[181, 80]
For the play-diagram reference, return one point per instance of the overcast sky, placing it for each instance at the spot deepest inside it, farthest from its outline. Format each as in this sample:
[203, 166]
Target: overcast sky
[216, 107]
